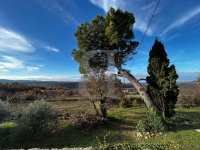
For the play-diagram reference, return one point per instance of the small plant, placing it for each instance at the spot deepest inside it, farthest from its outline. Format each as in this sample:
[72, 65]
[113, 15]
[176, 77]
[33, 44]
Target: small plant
[4, 110]
[36, 119]
[103, 143]
[151, 124]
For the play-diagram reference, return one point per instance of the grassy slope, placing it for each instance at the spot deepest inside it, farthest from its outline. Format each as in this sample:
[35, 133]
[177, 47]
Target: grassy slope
[121, 128]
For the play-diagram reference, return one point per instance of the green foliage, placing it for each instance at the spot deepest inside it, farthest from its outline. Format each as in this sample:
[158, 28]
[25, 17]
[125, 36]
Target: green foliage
[103, 143]
[4, 110]
[131, 100]
[112, 32]
[161, 81]
[152, 123]
[34, 121]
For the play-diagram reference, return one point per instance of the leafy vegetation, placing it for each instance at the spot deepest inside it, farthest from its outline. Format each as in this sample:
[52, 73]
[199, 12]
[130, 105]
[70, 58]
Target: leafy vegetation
[152, 123]
[161, 82]
[4, 110]
[32, 122]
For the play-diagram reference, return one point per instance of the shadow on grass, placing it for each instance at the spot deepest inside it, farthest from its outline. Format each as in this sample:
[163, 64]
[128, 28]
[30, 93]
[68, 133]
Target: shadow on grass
[67, 136]
[187, 120]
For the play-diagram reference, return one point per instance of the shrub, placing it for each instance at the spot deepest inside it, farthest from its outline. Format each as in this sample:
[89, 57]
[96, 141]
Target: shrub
[34, 121]
[4, 110]
[152, 123]
[189, 100]
[87, 121]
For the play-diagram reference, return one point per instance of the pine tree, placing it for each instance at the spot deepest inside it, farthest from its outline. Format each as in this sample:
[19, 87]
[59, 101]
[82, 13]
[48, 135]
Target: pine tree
[161, 82]
[114, 32]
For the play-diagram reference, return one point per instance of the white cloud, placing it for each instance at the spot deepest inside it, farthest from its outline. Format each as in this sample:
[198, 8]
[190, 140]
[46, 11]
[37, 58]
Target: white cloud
[42, 78]
[42, 45]
[12, 41]
[106, 4]
[64, 9]
[3, 70]
[142, 17]
[31, 68]
[165, 19]
[182, 20]
[10, 62]
[51, 48]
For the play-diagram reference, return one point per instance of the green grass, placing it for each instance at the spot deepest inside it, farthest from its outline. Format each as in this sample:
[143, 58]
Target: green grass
[121, 127]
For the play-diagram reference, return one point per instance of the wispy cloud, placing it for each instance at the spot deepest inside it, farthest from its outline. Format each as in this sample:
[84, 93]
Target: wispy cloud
[31, 68]
[47, 47]
[52, 49]
[182, 20]
[105, 4]
[61, 8]
[165, 19]
[142, 17]
[12, 41]
[10, 63]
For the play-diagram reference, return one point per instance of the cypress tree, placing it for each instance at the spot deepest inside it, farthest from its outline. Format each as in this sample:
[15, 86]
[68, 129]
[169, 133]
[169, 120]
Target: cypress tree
[161, 82]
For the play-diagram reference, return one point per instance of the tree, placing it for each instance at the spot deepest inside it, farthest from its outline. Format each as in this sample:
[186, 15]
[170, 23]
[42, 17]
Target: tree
[161, 81]
[112, 32]
[97, 88]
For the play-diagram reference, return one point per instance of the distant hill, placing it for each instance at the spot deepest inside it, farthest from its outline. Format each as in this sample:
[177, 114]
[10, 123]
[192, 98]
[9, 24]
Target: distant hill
[70, 85]
[65, 84]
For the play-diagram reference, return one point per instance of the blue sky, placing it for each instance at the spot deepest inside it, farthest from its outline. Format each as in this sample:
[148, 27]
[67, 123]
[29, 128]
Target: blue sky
[37, 36]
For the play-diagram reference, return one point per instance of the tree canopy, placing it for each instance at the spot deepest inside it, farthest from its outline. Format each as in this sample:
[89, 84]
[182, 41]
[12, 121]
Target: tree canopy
[112, 32]
[161, 81]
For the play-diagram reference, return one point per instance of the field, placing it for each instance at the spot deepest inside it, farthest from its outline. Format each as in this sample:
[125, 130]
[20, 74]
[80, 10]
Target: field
[120, 128]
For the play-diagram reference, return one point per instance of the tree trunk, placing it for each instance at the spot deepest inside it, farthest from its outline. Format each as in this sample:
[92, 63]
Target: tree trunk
[95, 107]
[141, 90]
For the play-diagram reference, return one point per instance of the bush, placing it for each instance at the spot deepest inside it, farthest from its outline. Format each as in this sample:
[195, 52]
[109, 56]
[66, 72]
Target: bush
[87, 121]
[4, 110]
[152, 123]
[131, 100]
[34, 121]
[189, 100]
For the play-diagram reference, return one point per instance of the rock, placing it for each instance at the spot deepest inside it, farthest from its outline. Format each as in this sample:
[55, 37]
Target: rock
[198, 130]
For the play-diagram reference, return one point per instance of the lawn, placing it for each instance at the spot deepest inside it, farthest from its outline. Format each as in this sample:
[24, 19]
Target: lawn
[120, 128]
